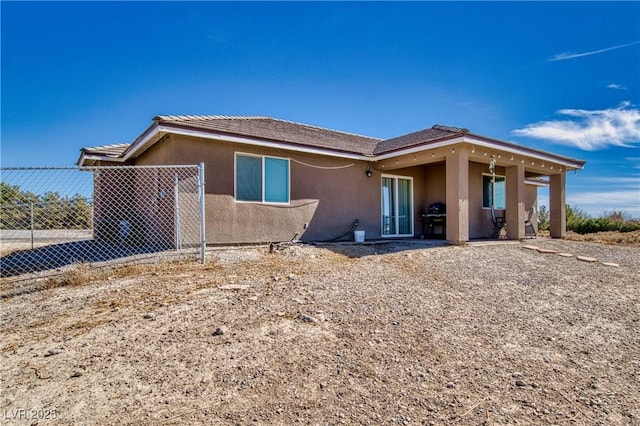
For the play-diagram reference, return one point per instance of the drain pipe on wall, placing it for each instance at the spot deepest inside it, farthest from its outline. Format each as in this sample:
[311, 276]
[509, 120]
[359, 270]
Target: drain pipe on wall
[353, 227]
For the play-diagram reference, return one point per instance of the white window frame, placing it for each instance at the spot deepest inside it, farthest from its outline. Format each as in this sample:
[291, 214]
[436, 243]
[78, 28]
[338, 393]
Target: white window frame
[395, 201]
[505, 191]
[262, 157]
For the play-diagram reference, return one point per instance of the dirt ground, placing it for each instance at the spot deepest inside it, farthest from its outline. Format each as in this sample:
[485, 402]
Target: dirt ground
[395, 333]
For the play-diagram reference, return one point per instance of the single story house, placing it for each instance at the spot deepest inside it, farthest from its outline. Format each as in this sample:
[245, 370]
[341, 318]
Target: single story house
[269, 179]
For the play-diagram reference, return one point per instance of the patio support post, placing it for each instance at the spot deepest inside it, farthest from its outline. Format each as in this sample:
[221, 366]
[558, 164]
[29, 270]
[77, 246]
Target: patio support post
[457, 184]
[557, 205]
[514, 179]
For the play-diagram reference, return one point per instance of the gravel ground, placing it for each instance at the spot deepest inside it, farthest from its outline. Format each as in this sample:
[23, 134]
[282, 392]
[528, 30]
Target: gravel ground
[393, 333]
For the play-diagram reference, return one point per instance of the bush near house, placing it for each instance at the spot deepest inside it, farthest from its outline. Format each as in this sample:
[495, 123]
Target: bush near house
[581, 223]
[543, 218]
[613, 228]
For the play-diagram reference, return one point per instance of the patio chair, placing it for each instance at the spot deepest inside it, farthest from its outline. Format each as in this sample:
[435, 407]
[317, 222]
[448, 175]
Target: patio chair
[499, 224]
[499, 227]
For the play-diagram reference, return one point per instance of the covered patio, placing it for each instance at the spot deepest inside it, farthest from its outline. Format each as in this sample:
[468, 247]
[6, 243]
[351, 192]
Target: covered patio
[457, 171]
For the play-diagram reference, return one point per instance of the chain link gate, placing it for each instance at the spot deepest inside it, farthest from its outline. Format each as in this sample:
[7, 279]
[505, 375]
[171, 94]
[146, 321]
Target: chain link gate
[52, 218]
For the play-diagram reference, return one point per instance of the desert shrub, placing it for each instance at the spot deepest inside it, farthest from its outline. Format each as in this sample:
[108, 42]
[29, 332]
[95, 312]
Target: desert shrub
[580, 222]
[543, 218]
[630, 226]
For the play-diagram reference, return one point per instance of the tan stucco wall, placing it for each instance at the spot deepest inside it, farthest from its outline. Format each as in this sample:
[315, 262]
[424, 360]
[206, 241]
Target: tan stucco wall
[557, 205]
[457, 172]
[327, 193]
[435, 181]
[514, 176]
[127, 195]
[108, 212]
[432, 188]
[480, 221]
[531, 204]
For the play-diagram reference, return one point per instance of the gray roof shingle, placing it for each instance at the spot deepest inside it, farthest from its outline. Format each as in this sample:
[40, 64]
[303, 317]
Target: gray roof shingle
[275, 130]
[302, 135]
[437, 132]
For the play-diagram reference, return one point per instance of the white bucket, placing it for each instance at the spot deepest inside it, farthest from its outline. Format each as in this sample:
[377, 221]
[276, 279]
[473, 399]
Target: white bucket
[358, 236]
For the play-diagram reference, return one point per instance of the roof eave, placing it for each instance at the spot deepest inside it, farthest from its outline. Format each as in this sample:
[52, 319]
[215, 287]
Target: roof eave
[157, 129]
[536, 182]
[521, 150]
[488, 143]
[433, 144]
[93, 158]
[142, 142]
[247, 140]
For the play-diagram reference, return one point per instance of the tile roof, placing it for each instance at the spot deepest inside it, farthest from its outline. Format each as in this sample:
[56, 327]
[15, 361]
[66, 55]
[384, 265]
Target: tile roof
[302, 135]
[115, 150]
[289, 131]
[437, 132]
[275, 130]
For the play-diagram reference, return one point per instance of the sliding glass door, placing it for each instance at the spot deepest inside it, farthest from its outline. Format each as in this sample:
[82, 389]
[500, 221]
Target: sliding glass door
[397, 206]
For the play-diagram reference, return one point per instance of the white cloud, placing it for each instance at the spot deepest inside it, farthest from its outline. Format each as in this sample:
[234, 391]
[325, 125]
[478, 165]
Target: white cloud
[571, 55]
[635, 160]
[592, 202]
[619, 180]
[616, 86]
[589, 130]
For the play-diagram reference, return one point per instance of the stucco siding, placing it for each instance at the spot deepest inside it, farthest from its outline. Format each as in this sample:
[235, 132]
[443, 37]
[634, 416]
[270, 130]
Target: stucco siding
[435, 184]
[531, 204]
[480, 219]
[326, 194]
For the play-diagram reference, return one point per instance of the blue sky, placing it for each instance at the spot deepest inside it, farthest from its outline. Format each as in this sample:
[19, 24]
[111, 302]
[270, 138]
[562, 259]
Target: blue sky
[562, 77]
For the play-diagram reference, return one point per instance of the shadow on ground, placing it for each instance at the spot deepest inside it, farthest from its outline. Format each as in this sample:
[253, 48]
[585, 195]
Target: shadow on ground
[59, 255]
[377, 247]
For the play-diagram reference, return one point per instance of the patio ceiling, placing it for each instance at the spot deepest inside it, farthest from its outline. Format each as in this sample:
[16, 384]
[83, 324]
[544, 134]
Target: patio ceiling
[535, 163]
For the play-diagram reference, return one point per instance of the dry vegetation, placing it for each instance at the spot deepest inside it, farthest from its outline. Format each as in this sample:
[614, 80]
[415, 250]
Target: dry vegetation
[610, 237]
[343, 334]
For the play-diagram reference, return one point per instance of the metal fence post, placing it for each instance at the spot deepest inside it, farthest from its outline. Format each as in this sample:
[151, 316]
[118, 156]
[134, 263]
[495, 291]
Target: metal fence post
[203, 238]
[32, 224]
[113, 213]
[176, 212]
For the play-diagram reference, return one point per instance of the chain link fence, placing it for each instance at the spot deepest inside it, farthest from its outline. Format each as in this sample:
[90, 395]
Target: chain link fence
[53, 218]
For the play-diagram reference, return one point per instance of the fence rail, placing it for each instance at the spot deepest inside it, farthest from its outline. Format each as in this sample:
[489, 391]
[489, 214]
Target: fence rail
[52, 218]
